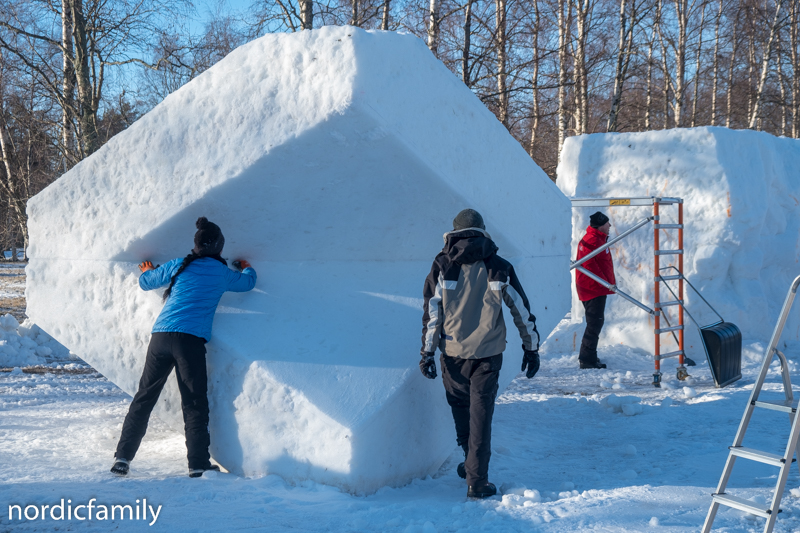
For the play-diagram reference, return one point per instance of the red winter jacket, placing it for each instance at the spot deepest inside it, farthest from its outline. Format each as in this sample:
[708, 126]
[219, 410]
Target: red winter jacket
[600, 265]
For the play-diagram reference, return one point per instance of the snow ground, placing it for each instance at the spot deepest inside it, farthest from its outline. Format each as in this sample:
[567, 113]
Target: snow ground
[569, 454]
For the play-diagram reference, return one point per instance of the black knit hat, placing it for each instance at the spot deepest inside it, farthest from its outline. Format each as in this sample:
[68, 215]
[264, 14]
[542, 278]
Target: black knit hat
[598, 219]
[468, 218]
[209, 239]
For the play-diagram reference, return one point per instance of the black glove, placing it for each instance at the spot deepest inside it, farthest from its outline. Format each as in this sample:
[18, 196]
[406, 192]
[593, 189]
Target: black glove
[427, 365]
[530, 360]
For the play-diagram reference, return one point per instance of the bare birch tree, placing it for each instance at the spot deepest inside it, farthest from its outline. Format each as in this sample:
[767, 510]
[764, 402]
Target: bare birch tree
[795, 57]
[697, 63]
[715, 67]
[765, 66]
[562, 74]
[433, 27]
[650, 61]
[500, 36]
[731, 69]
[627, 24]
[535, 78]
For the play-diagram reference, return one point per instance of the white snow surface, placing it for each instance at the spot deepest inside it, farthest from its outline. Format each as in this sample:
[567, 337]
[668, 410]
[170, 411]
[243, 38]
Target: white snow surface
[26, 344]
[565, 456]
[741, 236]
[333, 160]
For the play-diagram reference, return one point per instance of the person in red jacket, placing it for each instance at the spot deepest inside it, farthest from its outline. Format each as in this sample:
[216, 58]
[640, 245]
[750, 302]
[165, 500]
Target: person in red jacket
[592, 294]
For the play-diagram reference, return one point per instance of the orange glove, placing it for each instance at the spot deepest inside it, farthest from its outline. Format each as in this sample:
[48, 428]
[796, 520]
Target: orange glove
[145, 266]
[241, 264]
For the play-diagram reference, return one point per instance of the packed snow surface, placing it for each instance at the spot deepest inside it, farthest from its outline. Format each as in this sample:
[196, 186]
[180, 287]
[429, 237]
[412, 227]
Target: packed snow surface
[741, 236]
[565, 455]
[333, 160]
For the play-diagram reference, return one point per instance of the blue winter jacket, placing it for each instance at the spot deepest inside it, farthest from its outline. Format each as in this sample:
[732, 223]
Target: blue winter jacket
[193, 301]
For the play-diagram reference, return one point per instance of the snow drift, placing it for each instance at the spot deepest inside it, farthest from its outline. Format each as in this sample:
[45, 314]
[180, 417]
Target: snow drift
[742, 237]
[27, 344]
[333, 160]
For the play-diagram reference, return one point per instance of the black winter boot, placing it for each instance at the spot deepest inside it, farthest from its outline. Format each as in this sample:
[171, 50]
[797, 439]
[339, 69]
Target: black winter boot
[486, 491]
[197, 472]
[461, 469]
[594, 364]
[121, 467]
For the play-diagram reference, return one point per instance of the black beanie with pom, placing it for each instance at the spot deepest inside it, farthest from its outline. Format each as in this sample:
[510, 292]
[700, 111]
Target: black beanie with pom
[208, 241]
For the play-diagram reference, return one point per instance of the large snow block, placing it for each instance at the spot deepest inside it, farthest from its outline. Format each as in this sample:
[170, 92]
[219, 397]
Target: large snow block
[333, 160]
[741, 236]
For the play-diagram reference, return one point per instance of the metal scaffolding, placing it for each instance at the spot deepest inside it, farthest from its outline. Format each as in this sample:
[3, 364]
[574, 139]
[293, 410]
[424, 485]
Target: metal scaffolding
[678, 330]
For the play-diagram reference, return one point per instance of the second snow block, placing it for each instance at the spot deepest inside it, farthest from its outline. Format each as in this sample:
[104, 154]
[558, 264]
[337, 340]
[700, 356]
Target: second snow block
[333, 160]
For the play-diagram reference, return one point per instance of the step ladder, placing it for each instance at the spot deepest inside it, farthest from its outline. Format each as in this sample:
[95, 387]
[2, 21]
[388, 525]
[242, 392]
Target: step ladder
[783, 462]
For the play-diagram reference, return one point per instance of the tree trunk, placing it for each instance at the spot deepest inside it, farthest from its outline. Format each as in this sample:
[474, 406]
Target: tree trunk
[649, 100]
[665, 68]
[779, 64]
[307, 14]
[67, 87]
[697, 64]
[354, 12]
[535, 79]
[385, 18]
[765, 66]
[751, 60]
[17, 199]
[467, 44]
[682, 19]
[433, 27]
[623, 59]
[734, 46]
[502, 92]
[562, 76]
[793, 34]
[715, 67]
[88, 110]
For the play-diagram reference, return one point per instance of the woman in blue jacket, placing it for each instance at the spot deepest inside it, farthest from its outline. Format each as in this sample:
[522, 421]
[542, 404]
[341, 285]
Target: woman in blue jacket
[196, 283]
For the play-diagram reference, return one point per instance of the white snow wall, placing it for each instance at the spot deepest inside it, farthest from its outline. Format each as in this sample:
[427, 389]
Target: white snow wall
[741, 216]
[333, 160]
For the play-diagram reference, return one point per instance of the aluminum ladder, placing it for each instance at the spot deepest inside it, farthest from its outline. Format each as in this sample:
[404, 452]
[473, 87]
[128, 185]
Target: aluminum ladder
[783, 462]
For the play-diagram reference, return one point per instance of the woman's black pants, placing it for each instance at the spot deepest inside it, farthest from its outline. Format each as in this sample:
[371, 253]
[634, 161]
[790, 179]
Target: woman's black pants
[187, 354]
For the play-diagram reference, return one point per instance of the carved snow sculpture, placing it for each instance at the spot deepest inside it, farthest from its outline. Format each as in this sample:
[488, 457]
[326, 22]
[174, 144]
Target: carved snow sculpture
[333, 160]
[741, 228]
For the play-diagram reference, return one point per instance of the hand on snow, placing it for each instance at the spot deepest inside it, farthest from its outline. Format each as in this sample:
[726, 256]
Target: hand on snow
[427, 365]
[145, 266]
[241, 264]
[531, 360]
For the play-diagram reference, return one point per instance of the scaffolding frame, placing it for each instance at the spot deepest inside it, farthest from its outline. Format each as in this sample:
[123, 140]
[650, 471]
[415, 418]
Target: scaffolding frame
[659, 305]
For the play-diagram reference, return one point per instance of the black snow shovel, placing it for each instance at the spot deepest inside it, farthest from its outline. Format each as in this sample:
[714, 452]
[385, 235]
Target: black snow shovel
[722, 342]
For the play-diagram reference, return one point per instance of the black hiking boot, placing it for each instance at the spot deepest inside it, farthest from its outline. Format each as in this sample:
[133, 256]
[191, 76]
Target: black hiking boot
[461, 469]
[594, 364]
[121, 467]
[197, 472]
[485, 491]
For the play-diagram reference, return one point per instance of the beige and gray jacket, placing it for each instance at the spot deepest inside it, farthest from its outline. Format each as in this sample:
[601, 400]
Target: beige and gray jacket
[464, 293]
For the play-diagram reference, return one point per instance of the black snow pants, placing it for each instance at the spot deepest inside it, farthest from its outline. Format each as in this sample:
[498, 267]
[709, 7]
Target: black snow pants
[471, 389]
[595, 317]
[187, 354]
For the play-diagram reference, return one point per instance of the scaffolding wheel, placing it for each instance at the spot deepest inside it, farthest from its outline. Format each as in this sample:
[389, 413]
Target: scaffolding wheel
[657, 380]
[682, 373]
